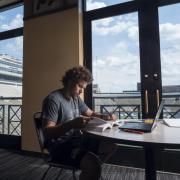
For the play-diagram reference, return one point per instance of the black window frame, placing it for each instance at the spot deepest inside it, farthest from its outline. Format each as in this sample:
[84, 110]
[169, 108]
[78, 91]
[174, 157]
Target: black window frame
[147, 12]
[13, 32]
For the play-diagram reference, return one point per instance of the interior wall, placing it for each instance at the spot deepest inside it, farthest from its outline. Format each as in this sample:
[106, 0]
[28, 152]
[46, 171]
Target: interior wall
[51, 46]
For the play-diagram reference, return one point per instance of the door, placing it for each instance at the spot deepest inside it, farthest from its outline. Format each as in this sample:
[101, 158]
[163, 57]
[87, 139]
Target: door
[122, 51]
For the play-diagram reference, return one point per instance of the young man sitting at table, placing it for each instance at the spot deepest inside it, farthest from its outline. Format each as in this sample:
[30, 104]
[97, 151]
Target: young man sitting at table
[64, 115]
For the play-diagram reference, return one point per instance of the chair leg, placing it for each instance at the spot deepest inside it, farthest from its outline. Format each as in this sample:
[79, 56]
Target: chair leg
[45, 173]
[74, 175]
[61, 170]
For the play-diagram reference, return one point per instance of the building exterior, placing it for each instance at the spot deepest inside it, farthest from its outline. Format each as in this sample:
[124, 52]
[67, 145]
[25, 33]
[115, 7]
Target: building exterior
[10, 76]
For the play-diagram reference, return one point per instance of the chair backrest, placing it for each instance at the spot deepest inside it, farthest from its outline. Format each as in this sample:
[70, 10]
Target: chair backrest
[39, 129]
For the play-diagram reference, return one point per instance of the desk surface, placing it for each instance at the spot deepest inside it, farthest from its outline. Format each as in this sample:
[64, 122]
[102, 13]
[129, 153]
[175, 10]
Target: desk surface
[162, 135]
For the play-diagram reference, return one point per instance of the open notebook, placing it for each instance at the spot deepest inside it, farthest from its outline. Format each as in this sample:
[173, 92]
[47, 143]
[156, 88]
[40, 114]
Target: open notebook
[100, 125]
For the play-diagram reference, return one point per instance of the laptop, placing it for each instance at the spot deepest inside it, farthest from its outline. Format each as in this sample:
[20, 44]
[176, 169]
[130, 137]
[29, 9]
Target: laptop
[147, 125]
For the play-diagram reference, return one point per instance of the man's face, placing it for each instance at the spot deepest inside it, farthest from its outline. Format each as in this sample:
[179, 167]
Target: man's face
[78, 88]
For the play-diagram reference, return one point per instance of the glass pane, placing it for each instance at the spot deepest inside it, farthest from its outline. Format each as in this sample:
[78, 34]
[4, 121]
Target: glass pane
[11, 19]
[170, 62]
[96, 4]
[116, 65]
[11, 64]
[11, 67]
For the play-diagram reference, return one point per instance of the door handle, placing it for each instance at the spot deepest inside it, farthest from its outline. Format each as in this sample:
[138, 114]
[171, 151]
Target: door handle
[146, 102]
[157, 97]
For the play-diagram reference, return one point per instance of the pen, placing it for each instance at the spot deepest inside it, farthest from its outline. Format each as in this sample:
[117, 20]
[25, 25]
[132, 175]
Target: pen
[133, 131]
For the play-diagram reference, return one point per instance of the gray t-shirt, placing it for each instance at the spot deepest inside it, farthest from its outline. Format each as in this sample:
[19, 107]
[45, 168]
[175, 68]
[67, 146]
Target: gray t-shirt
[60, 109]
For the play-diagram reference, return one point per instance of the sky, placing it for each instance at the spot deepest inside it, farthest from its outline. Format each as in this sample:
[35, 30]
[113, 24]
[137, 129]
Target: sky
[116, 62]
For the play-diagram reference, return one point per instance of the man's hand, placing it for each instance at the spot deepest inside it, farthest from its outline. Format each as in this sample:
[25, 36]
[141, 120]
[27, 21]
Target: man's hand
[107, 117]
[110, 117]
[80, 122]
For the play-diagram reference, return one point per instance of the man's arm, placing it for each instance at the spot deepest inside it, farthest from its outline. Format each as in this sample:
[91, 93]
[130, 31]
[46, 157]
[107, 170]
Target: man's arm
[91, 113]
[53, 131]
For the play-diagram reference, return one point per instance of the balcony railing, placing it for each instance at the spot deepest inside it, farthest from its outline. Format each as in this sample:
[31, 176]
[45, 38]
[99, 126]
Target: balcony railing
[10, 116]
[134, 111]
[129, 106]
[122, 111]
[10, 110]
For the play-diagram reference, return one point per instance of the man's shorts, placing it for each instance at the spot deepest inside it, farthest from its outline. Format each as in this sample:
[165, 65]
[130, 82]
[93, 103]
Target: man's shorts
[71, 151]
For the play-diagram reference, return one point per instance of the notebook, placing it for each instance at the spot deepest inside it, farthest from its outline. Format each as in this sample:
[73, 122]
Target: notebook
[147, 125]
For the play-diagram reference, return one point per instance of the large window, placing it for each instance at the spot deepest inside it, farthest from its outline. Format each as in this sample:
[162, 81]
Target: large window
[11, 67]
[130, 63]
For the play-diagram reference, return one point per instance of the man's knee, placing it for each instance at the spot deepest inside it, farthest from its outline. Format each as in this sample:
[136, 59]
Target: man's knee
[106, 150]
[91, 164]
[107, 146]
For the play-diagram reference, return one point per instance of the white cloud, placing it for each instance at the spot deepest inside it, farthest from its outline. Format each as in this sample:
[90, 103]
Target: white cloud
[1, 18]
[14, 23]
[170, 64]
[94, 5]
[121, 45]
[116, 80]
[16, 45]
[133, 33]
[117, 73]
[170, 32]
[114, 29]
[104, 21]
[116, 25]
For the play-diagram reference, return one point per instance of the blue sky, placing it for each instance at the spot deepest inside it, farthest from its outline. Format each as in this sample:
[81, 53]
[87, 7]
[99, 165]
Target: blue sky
[116, 61]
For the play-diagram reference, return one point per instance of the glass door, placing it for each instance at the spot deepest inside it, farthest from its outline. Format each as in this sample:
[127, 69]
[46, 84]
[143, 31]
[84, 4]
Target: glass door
[169, 24]
[122, 50]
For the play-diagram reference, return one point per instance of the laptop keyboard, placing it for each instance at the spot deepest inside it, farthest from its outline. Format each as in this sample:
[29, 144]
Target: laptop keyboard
[138, 125]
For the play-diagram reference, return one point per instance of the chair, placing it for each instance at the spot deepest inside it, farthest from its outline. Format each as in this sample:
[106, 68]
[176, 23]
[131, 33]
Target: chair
[47, 159]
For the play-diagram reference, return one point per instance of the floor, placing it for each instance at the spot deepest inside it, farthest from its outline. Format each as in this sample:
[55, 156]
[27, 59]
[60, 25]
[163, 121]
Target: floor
[15, 166]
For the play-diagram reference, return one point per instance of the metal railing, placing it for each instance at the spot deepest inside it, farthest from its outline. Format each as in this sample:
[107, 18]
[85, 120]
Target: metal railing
[129, 107]
[10, 116]
[134, 111]
[122, 111]
[10, 110]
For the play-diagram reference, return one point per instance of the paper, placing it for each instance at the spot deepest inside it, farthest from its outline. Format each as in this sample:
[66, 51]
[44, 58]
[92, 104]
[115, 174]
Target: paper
[172, 122]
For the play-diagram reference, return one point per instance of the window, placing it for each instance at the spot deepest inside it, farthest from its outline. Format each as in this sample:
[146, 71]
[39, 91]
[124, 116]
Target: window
[116, 65]
[112, 54]
[11, 19]
[11, 66]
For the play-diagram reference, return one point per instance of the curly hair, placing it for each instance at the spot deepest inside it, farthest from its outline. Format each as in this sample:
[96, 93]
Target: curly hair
[75, 75]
